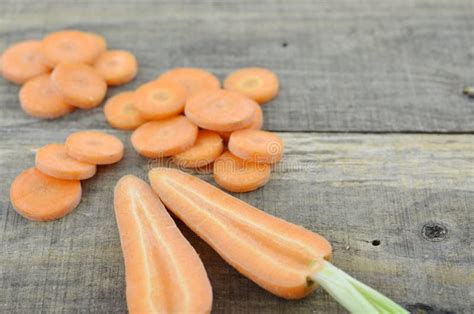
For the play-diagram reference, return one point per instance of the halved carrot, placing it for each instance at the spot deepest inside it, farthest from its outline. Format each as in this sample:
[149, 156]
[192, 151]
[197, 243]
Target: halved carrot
[54, 161]
[238, 175]
[195, 80]
[160, 99]
[164, 137]
[39, 99]
[22, 61]
[99, 42]
[79, 84]
[117, 67]
[69, 46]
[40, 197]
[256, 145]
[121, 113]
[257, 83]
[257, 123]
[206, 149]
[94, 147]
[220, 110]
[164, 274]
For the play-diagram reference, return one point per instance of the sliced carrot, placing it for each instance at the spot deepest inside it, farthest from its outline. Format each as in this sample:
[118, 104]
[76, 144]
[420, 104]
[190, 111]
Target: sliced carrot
[206, 149]
[164, 274]
[54, 161]
[79, 84]
[238, 175]
[164, 137]
[40, 197]
[257, 83]
[160, 99]
[220, 110]
[277, 255]
[121, 113]
[22, 61]
[39, 99]
[69, 46]
[99, 42]
[117, 67]
[256, 145]
[193, 79]
[94, 147]
[257, 123]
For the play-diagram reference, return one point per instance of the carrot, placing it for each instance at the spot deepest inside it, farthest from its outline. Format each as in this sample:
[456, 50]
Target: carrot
[94, 147]
[117, 67]
[39, 99]
[40, 197]
[206, 149]
[160, 99]
[256, 145]
[79, 84]
[257, 83]
[70, 46]
[193, 79]
[98, 41]
[22, 61]
[257, 123]
[120, 112]
[165, 137]
[238, 175]
[220, 110]
[163, 272]
[54, 161]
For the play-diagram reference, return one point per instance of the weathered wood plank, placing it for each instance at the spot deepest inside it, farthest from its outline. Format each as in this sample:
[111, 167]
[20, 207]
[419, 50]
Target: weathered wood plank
[352, 188]
[344, 65]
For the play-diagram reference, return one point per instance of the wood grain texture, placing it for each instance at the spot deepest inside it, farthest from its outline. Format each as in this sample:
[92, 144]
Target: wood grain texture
[353, 189]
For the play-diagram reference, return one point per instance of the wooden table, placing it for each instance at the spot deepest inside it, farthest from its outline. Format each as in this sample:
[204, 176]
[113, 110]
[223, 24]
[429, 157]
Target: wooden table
[379, 157]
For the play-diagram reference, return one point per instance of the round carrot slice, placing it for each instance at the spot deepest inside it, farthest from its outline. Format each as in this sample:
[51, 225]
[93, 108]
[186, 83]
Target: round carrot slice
[99, 42]
[257, 83]
[206, 149]
[121, 113]
[94, 147]
[256, 145]
[117, 67]
[39, 99]
[158, 100]
[220, 110]
[23, 61]
[69, 46]
[40, 197]
[79, 84]
[165, 137]
[54, 161]
[238, 175]
[257, 123]
[193, 79]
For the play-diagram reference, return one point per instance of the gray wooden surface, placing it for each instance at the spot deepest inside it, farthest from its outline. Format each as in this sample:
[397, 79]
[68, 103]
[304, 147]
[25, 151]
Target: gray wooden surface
[348, 70]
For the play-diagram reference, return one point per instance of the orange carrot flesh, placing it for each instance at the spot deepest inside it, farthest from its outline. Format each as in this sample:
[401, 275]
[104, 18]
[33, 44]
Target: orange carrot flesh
[257, 83]
[98, 42]
[117, 67]
[206, 149]
[193, 79]
[40, 197]
[256, 145]
[257, 123]
[120, 112]
[163, 272]
[283, 255]
[94, 147]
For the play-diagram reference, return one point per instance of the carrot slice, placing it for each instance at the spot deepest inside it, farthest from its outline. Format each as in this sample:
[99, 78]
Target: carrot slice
[22, 61]
[165, 137]
[121, 113]
[238, 175]
[54, 161]
[257, 83]
[206, 149]
[79, 84]
[195, 80]
[220, 110]
[69, 46]
[40, 197]
[117, 67]
[160, 99]
[39, 99]
[99, 42]
[94, 147]
[164, 274]
[256, 145]
[257, 123]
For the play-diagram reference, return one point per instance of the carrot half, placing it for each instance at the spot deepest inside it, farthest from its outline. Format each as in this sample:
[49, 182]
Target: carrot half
[285, 259]
[164, 274]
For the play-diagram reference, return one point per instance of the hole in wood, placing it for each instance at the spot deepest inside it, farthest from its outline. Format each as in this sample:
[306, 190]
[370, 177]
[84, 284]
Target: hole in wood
[434, 231]
[284, 44]
[376, 242]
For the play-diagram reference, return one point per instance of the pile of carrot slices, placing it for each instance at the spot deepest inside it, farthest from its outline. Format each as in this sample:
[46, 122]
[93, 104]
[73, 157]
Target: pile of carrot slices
[66, 70]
